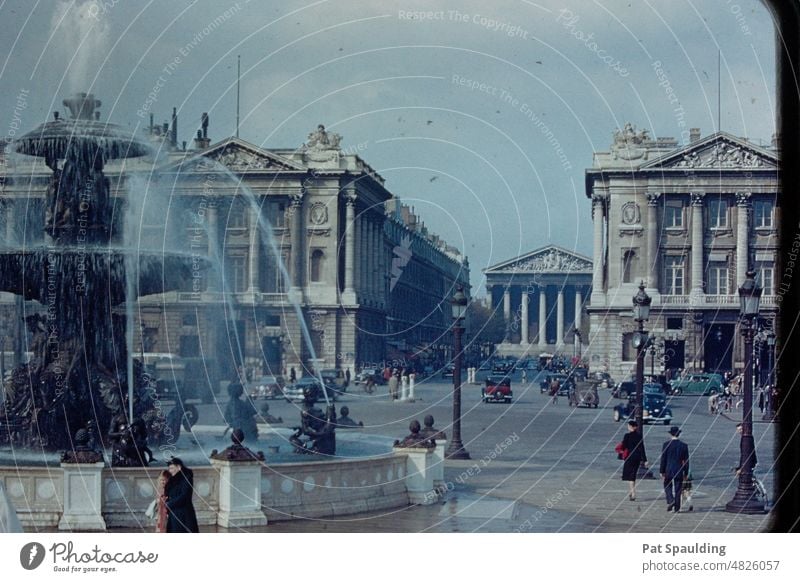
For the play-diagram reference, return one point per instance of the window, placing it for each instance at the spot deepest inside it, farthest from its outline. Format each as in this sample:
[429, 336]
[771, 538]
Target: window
[277, 214]
[717, 280]
[189, 319]
[673, 214]
[627, 265]
[718, 213]
[628, 351]
[762, 214]
[765, 275]
[673, 276]
[674, 323]
[190, 346]
[238, 274]
[317, 261]
[237, 217]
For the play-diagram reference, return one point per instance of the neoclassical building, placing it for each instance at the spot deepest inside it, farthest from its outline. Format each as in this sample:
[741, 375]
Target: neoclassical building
[280, 236]
[542, 296]
[688, 221]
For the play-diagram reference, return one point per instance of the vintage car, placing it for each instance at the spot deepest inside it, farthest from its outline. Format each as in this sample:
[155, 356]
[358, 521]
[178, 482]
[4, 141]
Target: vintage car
[584, 394]
[566, 383]
[654, 409]
[628, 387]
[497, 389]
[294, 392]
[604, 379]
[335, 379]
[500, 367]
[266, 387]
[448, 371]
[702, 384]
[374, 373]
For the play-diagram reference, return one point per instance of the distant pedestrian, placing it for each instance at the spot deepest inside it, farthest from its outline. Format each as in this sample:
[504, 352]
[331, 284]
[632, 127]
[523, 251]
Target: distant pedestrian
[555, 386]
[633, 455]
[674, 468]
[752, 458]
[347, 377]
[292, 375]
[181, 517]
[524, 376]
[394, 380]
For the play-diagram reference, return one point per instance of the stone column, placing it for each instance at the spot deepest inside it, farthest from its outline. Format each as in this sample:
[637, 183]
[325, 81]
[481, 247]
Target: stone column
[350, 242]
[598, 217]
[213, 245]
[560, 317]
[253, 251]
[507, 305]
[742, 227]
[83, 497]
[239, 493]
[542, 316]
[697, 244]
[578, 306]
[652, 239]
[524, 317]
[297, 239]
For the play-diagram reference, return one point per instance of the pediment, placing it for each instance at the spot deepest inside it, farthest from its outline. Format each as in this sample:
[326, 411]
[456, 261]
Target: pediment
[237, 156]
[551, 259]
[718, 151]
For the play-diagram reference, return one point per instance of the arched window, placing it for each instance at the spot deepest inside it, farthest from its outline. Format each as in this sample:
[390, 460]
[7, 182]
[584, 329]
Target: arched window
[317, 262]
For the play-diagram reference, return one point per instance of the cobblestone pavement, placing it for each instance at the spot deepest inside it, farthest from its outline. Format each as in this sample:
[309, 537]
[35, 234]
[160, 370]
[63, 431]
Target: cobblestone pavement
[560, 473]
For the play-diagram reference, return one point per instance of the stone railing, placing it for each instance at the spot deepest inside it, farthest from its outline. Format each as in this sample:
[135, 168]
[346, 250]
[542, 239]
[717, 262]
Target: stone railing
[92, 497]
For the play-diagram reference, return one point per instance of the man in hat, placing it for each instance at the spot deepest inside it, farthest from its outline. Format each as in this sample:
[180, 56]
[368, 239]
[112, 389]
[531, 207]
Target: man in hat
[674, 468]
[181, 517]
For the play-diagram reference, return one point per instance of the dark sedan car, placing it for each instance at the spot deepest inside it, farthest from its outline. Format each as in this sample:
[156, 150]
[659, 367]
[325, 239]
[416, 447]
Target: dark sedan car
[654, 409]
[565, 384]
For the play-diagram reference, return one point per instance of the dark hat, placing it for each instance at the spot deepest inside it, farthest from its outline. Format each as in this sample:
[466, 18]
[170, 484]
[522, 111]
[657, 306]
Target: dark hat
[175, 461]
[674, 431]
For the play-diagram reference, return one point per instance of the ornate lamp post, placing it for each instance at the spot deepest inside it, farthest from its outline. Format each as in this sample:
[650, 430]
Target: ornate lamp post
[769, 410]
[641, 313]
[455, 449]
[745, 500]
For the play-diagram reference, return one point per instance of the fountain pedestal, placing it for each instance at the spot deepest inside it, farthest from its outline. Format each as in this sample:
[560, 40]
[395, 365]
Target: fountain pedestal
[419, 474]
[83, 497]
[239, 493]
[438, 464]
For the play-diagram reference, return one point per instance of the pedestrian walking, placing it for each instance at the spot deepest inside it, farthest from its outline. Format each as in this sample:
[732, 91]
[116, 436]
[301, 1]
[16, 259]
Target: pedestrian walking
[555, 385]
[633, 455]
[157, 511]
[181, 517]
[524, 376]
[347, 377]
[292, 375]
[674, 468]
[394, 380]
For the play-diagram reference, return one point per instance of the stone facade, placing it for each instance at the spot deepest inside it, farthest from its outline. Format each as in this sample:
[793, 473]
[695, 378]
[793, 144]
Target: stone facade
[322, 211]
[688, 221]
[542, 296]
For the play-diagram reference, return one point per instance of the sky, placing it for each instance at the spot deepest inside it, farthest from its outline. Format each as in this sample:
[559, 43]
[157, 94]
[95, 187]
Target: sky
[482, 117]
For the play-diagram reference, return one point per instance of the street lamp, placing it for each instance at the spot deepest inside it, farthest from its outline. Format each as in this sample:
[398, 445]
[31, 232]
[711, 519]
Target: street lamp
[641, 313]
[769, 410]
[455, 449]
[745, 500]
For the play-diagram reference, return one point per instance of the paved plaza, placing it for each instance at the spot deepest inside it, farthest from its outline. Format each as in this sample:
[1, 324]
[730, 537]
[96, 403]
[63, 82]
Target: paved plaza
[558, 474]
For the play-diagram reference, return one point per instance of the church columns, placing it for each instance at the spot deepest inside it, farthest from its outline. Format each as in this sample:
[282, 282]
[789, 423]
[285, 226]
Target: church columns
[578, 306]
[560, 317]
[524, 317]
[507, 305]
[598, 217]
[296, 235]
[742, 250]
[253, 251]
[349, 243]
[542, 317]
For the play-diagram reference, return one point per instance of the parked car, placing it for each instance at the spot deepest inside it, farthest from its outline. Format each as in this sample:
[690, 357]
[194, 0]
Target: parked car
[702, 384]
[604, 380]
[294, 392]
[566, 383]
[335, 379]
[628, 387]
[584, 394]
[654, 409]
[500, 367]
[266, 387]
[497, 389]
[374, 373]
[448, 371]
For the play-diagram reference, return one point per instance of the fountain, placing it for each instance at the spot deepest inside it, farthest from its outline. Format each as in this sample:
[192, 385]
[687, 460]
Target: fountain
[80, 372]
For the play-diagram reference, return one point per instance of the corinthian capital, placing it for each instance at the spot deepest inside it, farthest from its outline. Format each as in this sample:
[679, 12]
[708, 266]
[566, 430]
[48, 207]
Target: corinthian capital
[743, 198]
[296, 197]
[652, 198]
[350, 196]
[697, 198]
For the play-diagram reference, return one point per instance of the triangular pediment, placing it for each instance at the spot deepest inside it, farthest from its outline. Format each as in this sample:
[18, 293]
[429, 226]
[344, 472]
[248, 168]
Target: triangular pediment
[550, 259]
[237, 156]
[715, 152]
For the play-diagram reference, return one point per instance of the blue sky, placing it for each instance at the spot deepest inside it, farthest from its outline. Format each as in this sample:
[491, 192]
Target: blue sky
[481, 117]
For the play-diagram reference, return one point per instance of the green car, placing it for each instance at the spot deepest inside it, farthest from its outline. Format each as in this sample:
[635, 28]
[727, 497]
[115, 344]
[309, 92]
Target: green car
[702, 384]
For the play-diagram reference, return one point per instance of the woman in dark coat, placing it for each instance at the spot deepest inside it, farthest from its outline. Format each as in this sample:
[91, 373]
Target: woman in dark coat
[181, 516]
[633, 444]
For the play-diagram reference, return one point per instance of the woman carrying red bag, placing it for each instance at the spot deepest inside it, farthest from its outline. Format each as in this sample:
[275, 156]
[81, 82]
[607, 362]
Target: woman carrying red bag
[633, 455]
